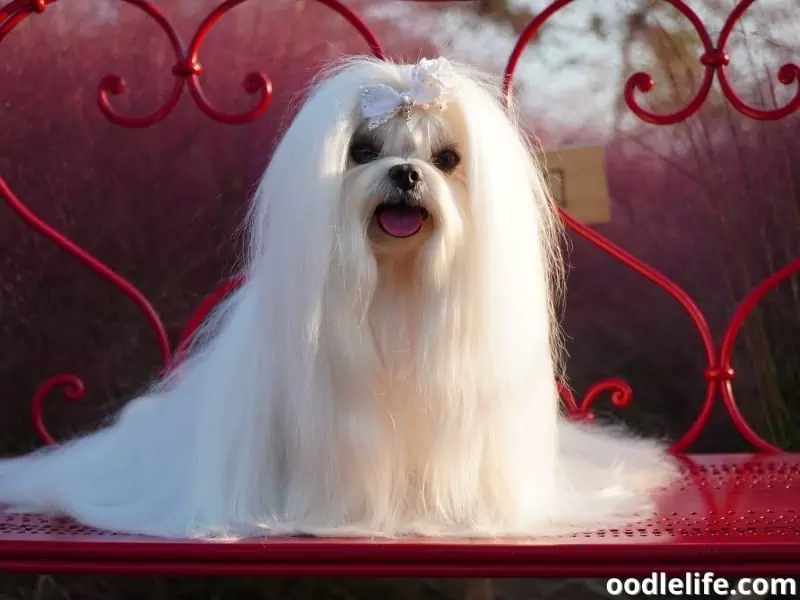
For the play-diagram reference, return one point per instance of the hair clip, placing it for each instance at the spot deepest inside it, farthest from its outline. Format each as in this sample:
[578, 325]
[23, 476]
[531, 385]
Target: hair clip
[430, 82]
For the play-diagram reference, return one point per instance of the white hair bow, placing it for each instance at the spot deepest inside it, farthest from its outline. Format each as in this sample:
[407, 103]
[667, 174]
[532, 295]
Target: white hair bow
[430, 81]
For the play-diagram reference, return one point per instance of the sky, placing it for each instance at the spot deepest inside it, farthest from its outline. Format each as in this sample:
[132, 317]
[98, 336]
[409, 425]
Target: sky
[461, 33]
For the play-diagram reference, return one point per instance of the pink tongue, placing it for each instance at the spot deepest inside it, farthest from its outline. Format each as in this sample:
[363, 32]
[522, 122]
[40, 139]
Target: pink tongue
[400, 220]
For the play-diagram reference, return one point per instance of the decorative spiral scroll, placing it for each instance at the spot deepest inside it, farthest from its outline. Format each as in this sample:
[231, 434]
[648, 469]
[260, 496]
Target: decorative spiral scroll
[75, 389]
[787, 74]
[186, 67]
[187, 70]
[112, 84]
[714, 59]
[718, 372]
[621, 397]
[254, 83]
[686, 302]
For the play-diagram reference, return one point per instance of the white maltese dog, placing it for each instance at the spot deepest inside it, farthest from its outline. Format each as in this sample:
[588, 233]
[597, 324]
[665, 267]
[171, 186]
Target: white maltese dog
[389, 367]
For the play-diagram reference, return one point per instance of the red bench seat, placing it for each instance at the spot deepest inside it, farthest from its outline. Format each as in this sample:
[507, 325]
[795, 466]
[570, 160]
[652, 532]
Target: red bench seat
[730, 514]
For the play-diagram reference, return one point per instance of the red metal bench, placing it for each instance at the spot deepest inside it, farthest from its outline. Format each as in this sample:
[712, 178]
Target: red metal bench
[731, 514]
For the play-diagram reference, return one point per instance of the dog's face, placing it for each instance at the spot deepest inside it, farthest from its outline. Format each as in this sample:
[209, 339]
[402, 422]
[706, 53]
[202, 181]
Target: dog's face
[408, 182]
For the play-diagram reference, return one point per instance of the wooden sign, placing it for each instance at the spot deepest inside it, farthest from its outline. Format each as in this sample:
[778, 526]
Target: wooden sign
[577, 180]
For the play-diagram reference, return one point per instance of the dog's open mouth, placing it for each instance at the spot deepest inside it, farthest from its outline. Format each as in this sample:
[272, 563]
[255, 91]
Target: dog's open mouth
[400, 219]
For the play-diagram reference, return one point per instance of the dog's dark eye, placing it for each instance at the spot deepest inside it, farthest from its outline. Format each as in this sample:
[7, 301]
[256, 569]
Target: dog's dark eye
[364, 152]
[446, 160]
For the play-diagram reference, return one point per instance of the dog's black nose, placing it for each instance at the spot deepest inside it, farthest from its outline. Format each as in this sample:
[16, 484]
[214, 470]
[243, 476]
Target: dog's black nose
[405, 176]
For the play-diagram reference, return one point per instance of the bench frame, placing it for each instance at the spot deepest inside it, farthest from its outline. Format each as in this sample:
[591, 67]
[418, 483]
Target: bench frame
[41, 545]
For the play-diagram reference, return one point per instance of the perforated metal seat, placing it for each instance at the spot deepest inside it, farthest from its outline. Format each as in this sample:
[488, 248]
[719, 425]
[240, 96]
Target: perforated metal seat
[730, 514]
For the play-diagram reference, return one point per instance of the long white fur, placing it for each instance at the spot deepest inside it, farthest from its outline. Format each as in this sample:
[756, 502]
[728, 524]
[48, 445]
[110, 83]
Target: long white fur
[325, 397]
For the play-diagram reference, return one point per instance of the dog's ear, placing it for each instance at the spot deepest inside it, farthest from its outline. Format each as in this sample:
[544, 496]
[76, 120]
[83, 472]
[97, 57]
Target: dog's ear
[294, 216]
[512, 220]
[302, 185]
[292, 219]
